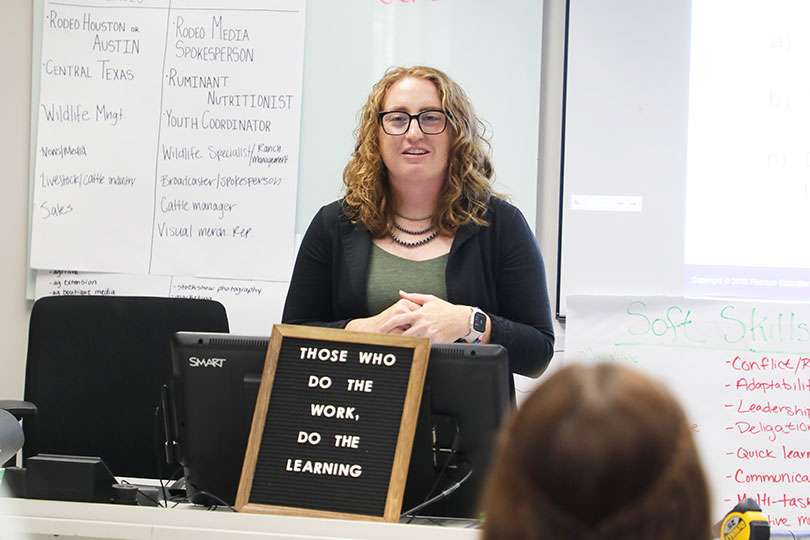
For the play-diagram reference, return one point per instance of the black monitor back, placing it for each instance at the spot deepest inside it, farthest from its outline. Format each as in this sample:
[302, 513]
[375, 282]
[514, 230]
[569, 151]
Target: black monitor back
[469, 394]
[215, 383]
[95, 369]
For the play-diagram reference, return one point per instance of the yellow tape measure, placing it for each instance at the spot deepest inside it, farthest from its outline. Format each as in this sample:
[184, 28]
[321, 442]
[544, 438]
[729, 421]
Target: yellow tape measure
[745, 522]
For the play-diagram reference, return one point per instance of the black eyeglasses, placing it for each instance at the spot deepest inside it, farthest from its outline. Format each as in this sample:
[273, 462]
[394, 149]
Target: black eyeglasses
[431, 122]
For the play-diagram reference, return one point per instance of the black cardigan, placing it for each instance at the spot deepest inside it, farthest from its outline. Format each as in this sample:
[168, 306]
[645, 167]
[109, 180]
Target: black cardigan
[497, 268]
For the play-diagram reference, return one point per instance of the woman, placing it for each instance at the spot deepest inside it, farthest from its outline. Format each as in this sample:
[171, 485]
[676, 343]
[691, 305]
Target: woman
[420, 245]
[597, 453]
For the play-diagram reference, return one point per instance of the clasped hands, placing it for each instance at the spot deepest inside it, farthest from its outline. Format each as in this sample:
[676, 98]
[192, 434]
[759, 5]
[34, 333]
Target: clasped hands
[421, 315]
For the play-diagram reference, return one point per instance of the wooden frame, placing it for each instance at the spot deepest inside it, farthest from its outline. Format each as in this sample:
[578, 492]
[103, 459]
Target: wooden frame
[337, 354]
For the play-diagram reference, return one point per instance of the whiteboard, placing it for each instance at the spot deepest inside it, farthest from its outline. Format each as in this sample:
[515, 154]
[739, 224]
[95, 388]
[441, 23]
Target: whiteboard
[491, 48]
[741, 370]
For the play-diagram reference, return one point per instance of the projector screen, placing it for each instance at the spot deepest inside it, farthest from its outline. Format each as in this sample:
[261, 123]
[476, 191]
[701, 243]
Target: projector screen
[686, 150]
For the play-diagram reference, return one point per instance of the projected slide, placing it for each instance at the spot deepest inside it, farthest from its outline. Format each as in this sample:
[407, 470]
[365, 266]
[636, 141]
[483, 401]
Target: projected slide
[747, 205]
[686, 163]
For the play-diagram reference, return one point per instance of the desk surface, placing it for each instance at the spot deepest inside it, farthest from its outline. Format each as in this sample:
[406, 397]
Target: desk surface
[41, 519]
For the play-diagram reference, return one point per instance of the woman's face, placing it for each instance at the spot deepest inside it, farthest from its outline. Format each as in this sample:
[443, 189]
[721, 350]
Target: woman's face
[414, 156]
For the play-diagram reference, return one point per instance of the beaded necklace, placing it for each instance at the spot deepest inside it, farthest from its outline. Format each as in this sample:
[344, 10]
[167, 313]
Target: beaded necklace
[417, 243]
[425, 240]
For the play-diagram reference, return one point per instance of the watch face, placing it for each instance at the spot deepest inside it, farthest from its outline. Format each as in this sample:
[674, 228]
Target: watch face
[479, 322]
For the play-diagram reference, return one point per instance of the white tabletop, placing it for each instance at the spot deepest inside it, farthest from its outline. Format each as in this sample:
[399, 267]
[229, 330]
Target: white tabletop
[40, 519]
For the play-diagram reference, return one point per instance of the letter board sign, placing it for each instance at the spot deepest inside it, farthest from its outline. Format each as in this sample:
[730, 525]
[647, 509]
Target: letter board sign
[334, 423]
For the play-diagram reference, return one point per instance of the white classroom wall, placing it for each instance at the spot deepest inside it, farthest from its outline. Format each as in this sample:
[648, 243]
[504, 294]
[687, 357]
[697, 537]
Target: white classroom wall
[15, 111]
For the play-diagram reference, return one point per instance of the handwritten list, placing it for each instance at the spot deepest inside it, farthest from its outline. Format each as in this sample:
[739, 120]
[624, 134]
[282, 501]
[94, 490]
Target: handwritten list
[741, 370]
[252, 306]
[168, 135]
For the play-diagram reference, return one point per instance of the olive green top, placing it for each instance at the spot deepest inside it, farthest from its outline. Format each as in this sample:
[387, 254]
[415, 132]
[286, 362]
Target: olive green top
[389, 274]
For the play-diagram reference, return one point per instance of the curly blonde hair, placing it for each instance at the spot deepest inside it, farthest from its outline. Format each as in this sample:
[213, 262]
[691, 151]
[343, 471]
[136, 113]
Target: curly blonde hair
[465, 193]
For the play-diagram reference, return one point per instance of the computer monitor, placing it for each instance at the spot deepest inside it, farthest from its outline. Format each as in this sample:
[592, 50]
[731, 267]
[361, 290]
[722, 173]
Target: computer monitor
[215, 381]
[468, 393]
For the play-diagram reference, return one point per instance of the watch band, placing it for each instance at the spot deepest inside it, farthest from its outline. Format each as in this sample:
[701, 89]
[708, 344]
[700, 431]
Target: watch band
[478, 325]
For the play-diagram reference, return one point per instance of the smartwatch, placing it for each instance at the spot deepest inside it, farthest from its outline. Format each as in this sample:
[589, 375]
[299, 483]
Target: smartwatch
[478, 325]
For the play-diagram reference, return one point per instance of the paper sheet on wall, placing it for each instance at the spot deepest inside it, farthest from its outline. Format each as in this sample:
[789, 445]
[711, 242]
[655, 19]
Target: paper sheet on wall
[168, 137]
[252, 306]
[741, 370]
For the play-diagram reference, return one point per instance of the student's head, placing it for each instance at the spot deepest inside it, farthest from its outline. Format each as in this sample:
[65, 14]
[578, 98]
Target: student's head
[467, 185]
[597, 453]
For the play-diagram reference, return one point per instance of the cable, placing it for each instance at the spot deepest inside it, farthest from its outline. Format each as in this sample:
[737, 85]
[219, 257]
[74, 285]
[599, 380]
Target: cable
[157, 458]
[174, 478]
[201, 491]
[441, 495]
[453, 450]
[117, 481]
[144, 494]
[210, 506]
